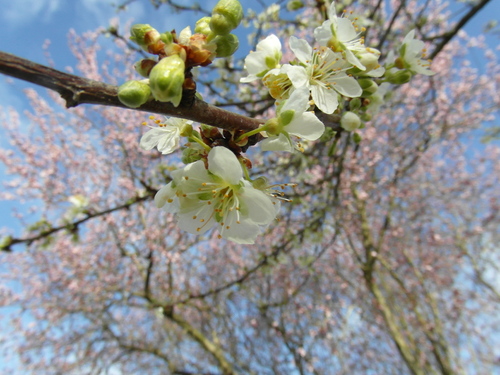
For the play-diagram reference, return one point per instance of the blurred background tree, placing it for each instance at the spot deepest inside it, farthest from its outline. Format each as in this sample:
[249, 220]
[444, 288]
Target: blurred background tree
[385, 261]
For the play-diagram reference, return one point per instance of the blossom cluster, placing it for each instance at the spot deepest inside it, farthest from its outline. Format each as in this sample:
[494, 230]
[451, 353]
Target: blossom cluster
[337, 74]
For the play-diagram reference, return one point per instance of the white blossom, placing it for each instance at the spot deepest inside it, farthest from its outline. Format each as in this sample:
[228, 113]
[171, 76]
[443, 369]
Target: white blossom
[266, 57]
[324, 75]
[165, 136]
[294, 119]
[412, 52]
[219, 196]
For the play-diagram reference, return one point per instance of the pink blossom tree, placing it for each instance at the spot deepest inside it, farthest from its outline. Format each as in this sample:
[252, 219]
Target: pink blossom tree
[382, 261]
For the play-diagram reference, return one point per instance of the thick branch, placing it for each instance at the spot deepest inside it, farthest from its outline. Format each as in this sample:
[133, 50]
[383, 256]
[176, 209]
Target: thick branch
[78, 90]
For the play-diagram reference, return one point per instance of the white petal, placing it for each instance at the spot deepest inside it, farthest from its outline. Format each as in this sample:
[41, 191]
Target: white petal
[348, 86]
[223, 163]
[301, 49]
[345, 30]
[298, 100]
[164, 194]
[244, 232]
[306, 126]
[326, 100]
[258, 206]
[323, 33]
[255, 63]
[332, 12]
[198, 220]
[279, 143]
[169, 141]
[354, 60]
[150, 139]
[269, 45]
[296, 74]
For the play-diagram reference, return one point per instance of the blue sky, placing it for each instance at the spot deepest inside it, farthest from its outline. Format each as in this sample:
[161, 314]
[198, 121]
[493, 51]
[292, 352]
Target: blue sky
[25, 25]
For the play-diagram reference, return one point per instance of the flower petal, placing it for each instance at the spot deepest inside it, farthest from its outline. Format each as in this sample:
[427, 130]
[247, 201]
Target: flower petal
[224, 164]
[301, 49]
[277, 143]
[326, 100]
[258, 206]
[306, 126]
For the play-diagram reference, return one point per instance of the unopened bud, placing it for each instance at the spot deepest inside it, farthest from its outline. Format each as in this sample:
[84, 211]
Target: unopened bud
[145, 36]
[166, 79]
[369, 87]
[260, 183]
[226, 45]
[167, 37]
[203, 26]
[355, 104]
[190, 155]
[294, 5]
[356, 138]
[400, 77]
[134, 93]
[144, 66]
[226, 16]
[350, 121]
[369, 60]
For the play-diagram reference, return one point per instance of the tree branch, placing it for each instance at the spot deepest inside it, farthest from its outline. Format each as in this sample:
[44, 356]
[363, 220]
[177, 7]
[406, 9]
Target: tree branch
[7, 247]
[460, 24]
[78, 90]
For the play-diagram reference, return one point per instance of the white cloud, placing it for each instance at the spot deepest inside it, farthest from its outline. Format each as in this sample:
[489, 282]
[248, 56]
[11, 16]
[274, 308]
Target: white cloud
[18, 13]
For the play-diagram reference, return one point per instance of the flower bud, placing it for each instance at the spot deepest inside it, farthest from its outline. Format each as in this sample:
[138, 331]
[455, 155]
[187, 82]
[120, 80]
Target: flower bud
[226, 45]
[356, 138]
[134, 93]
[144, 66]
[369, 87]
[190, 155]
[355, 104]
[145, 36]
[350, 121]
[167, 37]
[166, 79]
[369, 59]
[294, 5]
[226, 16]
[203, 26]
[400, 77]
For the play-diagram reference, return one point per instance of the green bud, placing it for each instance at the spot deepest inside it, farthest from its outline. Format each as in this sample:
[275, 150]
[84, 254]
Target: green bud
[166, 79]
[5, 243]
[226, 16]
[260, 183]
[369, 87]
[286, 117]
[186, 130]
[400, 77]
[355, 104]
[356, 138]
[350, 121]
[226, 45]
[144, 66]
[294, 5]
[190, 155]
[134, 93]
[203, 26]
[272, 126]
[144, 35]
[167, 37]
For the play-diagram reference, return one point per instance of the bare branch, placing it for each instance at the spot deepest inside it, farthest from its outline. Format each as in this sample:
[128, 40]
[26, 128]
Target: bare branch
[78, 90]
